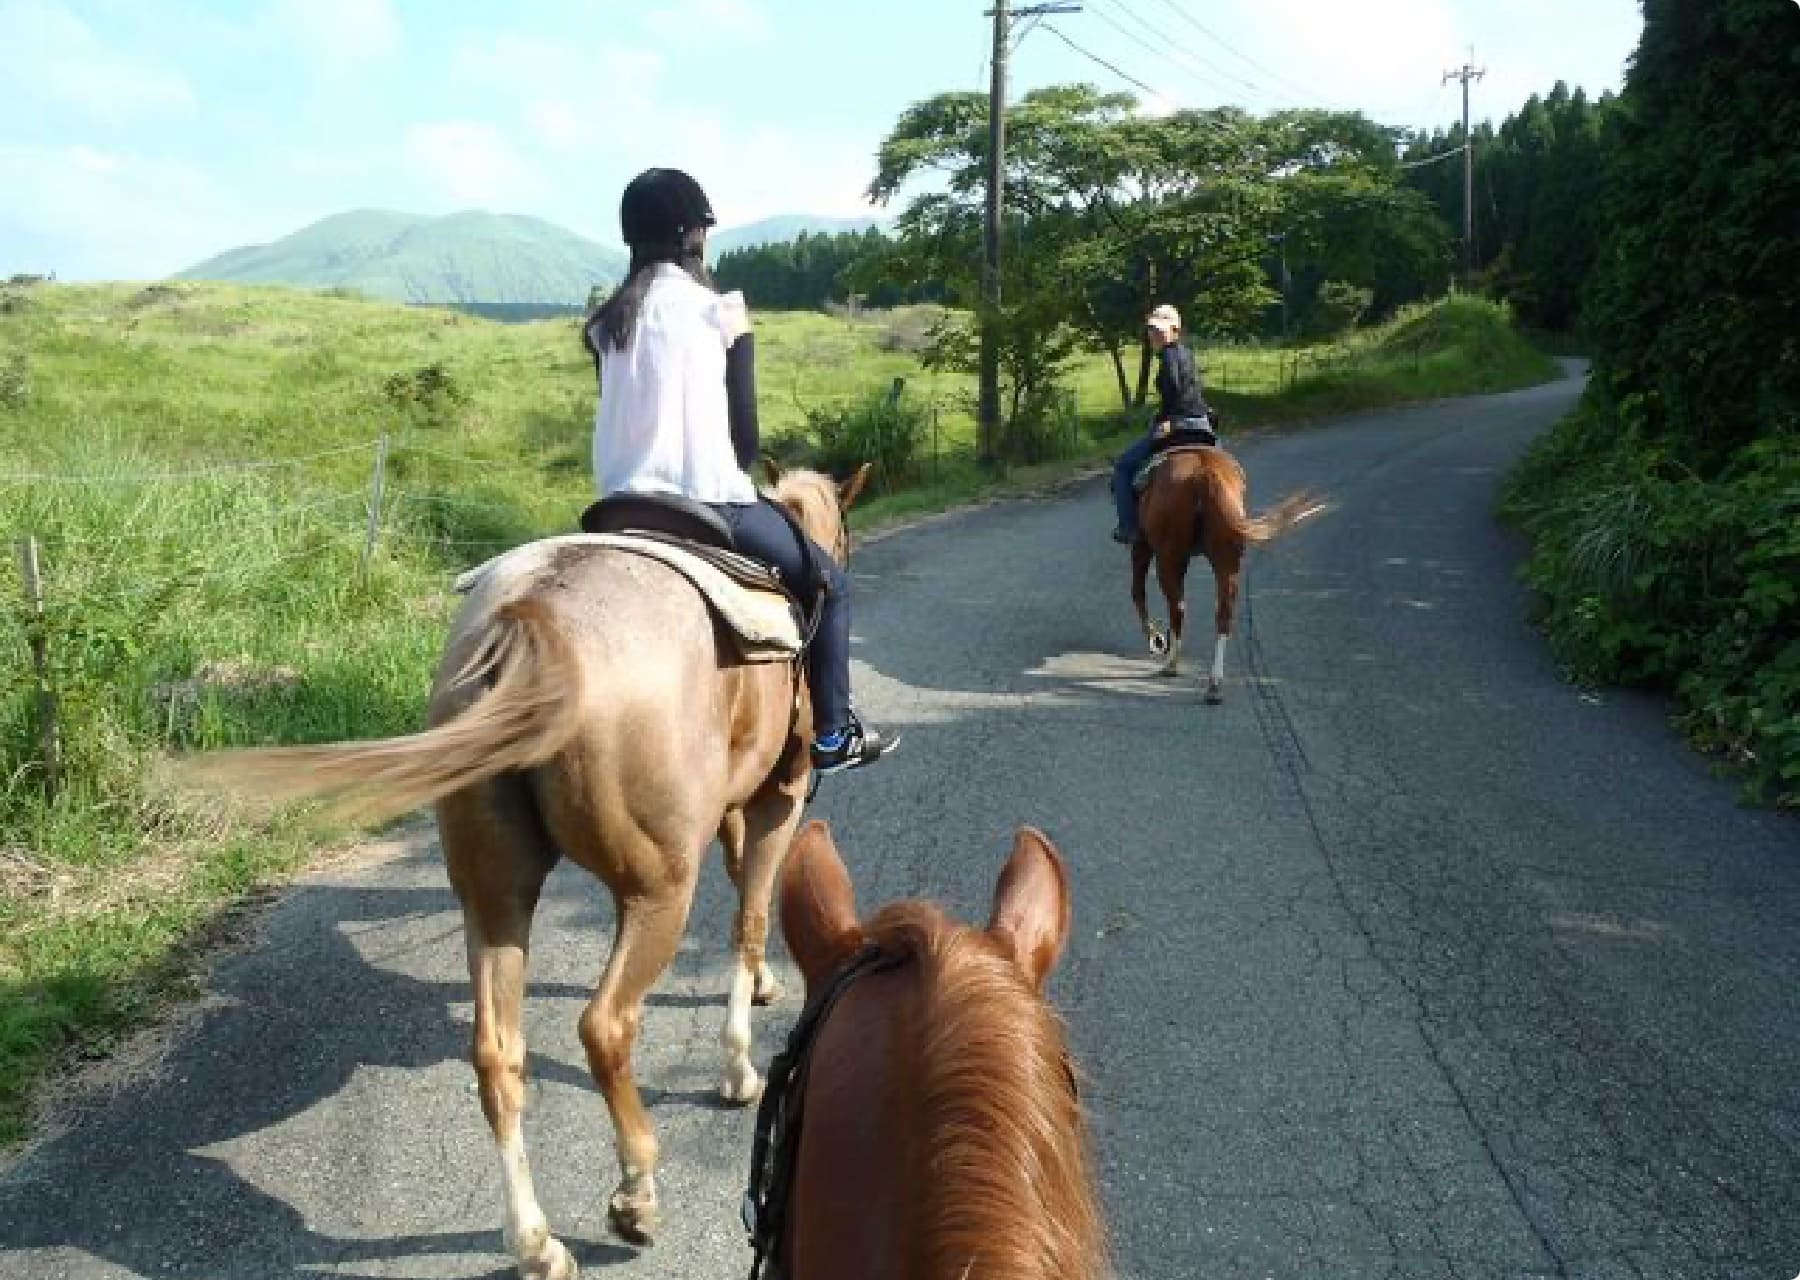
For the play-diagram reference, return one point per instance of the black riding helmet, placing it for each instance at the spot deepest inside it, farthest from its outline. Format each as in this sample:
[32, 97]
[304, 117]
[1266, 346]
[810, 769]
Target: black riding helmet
[660, 206]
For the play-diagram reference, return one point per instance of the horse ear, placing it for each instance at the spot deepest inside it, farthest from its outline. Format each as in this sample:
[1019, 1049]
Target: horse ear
[770, 470]
[818, 905]
[1031, 905]
[851, 489]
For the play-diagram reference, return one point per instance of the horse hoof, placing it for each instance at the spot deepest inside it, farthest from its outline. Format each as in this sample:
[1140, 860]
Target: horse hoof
[554, 1264]
[1215, 694]
[741, 1087]
[1159, 643]
[767, 993]
[1168, 670]
[632, 1218]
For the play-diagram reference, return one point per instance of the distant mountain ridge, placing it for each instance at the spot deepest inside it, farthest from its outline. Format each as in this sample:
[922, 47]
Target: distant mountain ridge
[462, 257]
[468, 257]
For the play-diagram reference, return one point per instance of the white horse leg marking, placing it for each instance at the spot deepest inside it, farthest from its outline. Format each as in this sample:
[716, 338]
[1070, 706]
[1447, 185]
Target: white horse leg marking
[539, 1255]
[1218, 667]
[1173, 665]
[741, 1083]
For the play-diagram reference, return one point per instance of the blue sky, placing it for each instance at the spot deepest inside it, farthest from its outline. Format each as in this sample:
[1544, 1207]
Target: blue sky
[138, 136]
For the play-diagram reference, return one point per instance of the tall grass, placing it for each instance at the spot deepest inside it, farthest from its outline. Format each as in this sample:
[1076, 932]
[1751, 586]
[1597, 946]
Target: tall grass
[192, 602]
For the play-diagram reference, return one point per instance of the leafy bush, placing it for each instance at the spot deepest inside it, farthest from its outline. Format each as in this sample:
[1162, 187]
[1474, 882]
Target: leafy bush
[1337, 309]
[1650, 574]
[891, 430]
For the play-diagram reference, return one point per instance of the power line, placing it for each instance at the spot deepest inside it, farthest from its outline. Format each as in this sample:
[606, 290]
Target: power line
[1176, 54]
[1181, 11]
[1448, 155]
[1057, 31]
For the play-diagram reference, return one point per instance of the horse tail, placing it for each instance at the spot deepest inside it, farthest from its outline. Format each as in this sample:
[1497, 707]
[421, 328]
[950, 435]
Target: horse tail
[1284, 515]
[532, 708]
[1223, 500]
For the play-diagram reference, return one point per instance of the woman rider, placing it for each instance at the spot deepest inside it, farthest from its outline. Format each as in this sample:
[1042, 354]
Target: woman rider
[1181, 418]
[678, 416]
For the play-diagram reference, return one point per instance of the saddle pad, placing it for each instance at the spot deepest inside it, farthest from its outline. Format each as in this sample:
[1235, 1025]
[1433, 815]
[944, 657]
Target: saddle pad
[1141, 481]
[764, 618]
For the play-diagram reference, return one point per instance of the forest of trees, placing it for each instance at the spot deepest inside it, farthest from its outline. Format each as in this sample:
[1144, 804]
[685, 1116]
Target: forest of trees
[1539, 179]
[1538, 183]
[1666, 513]
[817, 268]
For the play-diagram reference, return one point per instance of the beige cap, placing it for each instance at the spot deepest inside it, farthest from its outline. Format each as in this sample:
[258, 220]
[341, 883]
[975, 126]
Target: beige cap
[1165, 318]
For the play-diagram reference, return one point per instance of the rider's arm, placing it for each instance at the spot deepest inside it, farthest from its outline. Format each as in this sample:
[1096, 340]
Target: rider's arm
[740, 399]
[1168, 390]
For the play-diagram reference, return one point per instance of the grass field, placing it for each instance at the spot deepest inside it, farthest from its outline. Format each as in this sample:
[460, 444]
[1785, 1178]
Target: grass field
[196, 463]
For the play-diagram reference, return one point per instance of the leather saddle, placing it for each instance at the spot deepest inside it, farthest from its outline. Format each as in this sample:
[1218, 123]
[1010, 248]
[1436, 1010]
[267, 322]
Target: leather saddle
[670, 515]
[691, 526]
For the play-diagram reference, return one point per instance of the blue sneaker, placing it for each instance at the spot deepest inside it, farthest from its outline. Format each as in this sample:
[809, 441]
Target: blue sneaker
[851, 747]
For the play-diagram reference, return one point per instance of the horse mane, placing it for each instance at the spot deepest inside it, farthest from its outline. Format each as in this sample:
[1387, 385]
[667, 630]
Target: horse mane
[811, 495]
[1010, 1190]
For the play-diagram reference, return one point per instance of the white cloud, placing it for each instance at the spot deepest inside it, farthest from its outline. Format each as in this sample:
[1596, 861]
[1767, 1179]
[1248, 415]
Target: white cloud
[575, 98]
[1375, 53]
[51, 58]
[94, 214]
[587, 104]
[340, 34]
[687, 20]
[472, 163]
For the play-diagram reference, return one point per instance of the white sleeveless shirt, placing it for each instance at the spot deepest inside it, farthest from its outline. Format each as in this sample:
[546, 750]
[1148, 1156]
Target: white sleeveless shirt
[663, 425]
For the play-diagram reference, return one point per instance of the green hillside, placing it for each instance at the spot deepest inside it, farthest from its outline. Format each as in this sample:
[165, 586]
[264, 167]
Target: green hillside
[398, 257]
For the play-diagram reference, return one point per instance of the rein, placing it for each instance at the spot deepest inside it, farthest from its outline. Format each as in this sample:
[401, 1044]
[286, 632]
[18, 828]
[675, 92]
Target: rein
[776, 1148]
[778, 1118]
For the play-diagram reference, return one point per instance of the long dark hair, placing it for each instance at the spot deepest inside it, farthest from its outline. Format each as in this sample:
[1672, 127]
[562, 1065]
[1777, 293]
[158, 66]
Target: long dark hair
[612, 323]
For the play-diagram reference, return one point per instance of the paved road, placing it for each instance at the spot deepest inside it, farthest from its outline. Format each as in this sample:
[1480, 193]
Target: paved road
[1409, 961]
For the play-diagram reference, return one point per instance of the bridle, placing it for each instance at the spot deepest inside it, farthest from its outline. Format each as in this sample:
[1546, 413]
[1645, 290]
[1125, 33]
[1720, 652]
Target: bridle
[776, 1147]
[778, 1118]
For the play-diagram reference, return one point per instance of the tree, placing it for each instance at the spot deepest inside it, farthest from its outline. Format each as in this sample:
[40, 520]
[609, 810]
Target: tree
[1693, 309]
[1109, 213]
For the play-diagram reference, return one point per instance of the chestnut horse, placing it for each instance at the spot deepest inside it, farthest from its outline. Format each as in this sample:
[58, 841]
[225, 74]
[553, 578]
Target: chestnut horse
[589, 706]
[1195, 502]
[939, 1132]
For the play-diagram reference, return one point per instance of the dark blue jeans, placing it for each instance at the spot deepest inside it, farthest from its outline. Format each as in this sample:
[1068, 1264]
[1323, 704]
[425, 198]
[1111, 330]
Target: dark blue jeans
[1125, 469]
[763, 533]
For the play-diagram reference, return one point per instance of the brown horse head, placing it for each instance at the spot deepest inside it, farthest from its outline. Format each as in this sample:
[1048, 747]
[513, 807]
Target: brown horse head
[942, 1137]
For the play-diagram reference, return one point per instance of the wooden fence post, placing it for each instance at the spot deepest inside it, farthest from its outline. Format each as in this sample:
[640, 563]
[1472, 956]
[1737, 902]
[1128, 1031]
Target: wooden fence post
[377, 482]
[48, 734]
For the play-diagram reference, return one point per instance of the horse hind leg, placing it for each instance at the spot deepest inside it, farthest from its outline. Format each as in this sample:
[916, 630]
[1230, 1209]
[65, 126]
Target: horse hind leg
[1140, 573]
[771, 818]
[1171, 575]
[732, 839]
[1225, 576]
[650, 924]
[498, 859]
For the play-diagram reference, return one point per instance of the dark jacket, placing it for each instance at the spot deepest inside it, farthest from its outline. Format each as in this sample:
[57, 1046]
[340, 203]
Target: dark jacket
[1178, 384]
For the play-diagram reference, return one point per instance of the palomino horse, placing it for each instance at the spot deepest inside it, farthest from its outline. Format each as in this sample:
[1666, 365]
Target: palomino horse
[1195, 502]
[590, 707]
[923, 1123]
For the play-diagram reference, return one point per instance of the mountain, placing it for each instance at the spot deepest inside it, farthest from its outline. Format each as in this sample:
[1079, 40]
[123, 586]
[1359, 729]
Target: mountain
[779, 230]
[462, 257]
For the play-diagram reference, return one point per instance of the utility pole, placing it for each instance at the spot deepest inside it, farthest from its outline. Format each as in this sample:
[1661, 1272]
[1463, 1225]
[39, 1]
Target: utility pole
[1467, 72]
[988, 411]
[1280, 238]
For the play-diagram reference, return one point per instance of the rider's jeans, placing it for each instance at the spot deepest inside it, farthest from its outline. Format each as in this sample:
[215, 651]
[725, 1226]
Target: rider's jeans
[763, 533]
[1125, 469]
